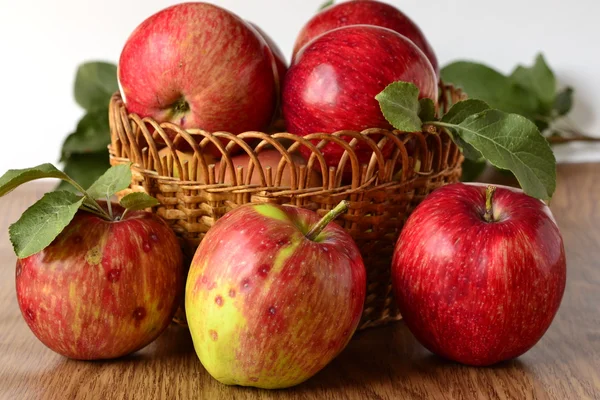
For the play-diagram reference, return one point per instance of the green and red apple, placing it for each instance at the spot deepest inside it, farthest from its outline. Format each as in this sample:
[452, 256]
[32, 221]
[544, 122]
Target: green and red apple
[270, 300]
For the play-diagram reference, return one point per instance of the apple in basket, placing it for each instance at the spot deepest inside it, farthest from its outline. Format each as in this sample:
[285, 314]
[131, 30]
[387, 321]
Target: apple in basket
[102, 289]
[273, 295]
[199, 66]
[333, 81]
[365, 12]
[478, 275]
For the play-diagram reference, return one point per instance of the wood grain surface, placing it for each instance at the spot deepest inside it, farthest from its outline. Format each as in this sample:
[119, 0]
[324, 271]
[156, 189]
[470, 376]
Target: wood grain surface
[382, 363]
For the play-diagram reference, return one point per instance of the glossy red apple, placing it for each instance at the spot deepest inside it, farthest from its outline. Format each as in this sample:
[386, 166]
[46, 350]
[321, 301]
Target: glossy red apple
[269, 303]
[365, 12]
[199, 66]
[474, 286]
[102, 289]
[333, 81]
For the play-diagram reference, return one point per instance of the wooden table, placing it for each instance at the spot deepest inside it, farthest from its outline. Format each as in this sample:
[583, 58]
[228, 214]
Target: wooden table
[382, 363]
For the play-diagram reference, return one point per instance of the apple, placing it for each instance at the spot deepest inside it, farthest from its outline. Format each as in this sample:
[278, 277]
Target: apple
[270, 158]
[199, 66]
[269, 300]
[365, 12]
[186, 159]
[280, 61]
[479, 276]
[333, 81]
[102, 289]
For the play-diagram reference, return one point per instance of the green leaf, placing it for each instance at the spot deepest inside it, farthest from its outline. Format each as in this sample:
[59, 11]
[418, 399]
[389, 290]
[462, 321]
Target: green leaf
[564, 102]
[95, 83]
[399, 102]
[92, 134]
[472, 169]
[114, 180]
[85, 168]
[326, 4]
[486, 84]
[138, 201]
[538, 79]
[512, 142]
[464, 109]
[457, 114]
[426, 110]
[16, 177]
[43, 222]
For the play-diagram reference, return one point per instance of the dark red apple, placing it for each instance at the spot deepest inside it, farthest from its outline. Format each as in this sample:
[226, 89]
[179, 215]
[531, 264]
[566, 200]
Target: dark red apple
[199, 66]
[365, 12]
[478, 283]
[102, 289]
[269, 300]
[333, 81]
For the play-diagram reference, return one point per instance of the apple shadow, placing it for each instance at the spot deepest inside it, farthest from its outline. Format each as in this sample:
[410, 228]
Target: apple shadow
[389, 358]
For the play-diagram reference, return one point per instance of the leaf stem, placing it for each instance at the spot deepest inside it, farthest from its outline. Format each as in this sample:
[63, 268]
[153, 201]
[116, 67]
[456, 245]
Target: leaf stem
[109, 205]
[91, 201]
[330, 216]
[489, 209]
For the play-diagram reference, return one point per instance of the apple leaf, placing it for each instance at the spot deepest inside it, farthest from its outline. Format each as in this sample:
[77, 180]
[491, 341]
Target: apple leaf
[138, 201]
[114, 180]
[426, 109]
[464, 109]
[564, 101]
[538, 79]
[16, 177]
[92, 135]
[95, 83]
[512, 142]
[457, 114]
[399, 102]
[486, 84]
[43, 222]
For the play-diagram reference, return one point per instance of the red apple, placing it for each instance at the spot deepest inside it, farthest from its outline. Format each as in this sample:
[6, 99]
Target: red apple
[333, 81]
[280, 62]
[270, 159]
[199, 66]
[269, 303]
[365, 12]
[102, 289]
[474, 286]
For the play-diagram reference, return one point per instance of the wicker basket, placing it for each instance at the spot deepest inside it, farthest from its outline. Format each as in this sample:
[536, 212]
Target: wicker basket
[381, 194]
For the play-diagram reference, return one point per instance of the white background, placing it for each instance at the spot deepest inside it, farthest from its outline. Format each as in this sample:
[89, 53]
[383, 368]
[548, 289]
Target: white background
[43, 41]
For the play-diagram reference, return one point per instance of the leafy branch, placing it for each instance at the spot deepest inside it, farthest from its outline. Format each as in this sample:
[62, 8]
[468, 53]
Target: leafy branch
[46, 219]
[506, 140]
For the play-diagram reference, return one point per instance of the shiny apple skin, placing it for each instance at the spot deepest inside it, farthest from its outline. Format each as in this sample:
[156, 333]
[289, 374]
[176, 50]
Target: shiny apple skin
[205, 56]
[333, 81]
[365, 12]
[473, 291]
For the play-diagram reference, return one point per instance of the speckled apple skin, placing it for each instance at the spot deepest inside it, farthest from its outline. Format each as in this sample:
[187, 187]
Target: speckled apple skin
[266, 306]
[206, 56]
[473, 291]
[102, 289]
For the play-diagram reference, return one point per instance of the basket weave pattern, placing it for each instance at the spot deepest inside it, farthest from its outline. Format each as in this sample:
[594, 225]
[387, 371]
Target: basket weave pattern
[193, 194]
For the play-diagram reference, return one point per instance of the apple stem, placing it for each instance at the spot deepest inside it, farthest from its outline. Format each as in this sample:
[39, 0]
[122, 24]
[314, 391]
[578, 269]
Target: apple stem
[317, 228]
[489, 210]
